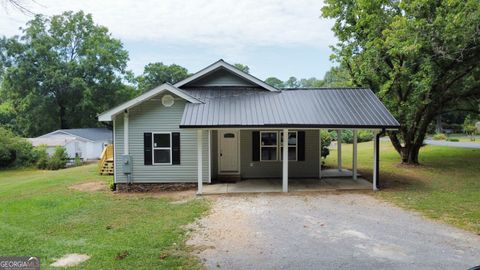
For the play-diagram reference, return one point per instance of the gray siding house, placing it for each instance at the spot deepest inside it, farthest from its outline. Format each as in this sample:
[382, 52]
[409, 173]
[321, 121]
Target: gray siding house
[224, 123]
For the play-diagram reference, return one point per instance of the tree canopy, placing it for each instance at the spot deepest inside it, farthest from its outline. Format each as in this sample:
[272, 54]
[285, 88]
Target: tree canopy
[242, 67]
[155, 74]
[61, 72]
[419, 56]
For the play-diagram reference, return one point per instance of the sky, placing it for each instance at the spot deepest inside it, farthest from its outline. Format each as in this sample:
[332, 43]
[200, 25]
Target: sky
[273, 37]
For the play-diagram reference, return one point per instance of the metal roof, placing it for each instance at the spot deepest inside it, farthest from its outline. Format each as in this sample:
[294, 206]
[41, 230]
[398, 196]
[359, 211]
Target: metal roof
[92, 134]
[250, 107]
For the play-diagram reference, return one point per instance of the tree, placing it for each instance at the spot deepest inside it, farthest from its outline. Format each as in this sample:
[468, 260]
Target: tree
[62, 72]
[337, 77]
[292, 82]
[420, 57]
[311, 83]
[155, 74]
[242, 67]
[469, 127]
[275, 82]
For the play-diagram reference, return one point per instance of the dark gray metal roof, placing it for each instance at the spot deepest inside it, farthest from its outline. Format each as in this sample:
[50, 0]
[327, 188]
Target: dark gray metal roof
[93, 134]
[250, 107]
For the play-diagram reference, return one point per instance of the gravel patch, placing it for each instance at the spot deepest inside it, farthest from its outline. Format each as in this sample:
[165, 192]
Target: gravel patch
[329, 231]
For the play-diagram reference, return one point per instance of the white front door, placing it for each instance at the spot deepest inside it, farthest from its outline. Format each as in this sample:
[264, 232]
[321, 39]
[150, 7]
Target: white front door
[228, 151]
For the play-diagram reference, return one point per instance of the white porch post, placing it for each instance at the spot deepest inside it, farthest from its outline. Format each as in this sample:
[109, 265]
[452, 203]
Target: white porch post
[199, 162]
[209, 156]
[320, 154]
[354, 158]
[125, 133]
[375, 164]
[285, 161]
[339, 149]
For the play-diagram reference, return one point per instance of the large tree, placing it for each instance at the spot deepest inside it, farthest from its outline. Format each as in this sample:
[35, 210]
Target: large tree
[420, 57]
[62, 71]
[155, 74]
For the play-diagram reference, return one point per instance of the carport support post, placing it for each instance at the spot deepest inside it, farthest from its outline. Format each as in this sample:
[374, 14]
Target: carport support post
[339, 149]
[375, 161]
[199, 162]
[320, 154]
[354, 158]
[285, 161]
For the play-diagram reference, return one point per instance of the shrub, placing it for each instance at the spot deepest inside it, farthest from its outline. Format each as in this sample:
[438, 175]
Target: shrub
[58, 160]
[111, 184]
[453, 140]
[78, 161]
[326, 141]
[364, 136]
[347, 135]
[41, 157]
[14, 150]
[439, 137]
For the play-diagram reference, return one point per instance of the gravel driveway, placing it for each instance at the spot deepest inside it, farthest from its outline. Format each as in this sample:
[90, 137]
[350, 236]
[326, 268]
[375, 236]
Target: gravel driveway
[326, 231]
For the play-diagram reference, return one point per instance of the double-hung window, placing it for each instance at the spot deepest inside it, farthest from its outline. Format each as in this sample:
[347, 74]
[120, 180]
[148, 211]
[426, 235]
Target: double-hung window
[162, 148]
[271, 146]
[292, 146]
[268, 145]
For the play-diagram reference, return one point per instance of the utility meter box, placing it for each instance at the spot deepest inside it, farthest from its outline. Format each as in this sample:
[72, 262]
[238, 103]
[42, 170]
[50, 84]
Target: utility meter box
[127, 164]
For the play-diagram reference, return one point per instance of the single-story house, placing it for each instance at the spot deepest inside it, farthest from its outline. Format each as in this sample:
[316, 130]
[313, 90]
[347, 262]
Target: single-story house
[86, 143]
[222, 122]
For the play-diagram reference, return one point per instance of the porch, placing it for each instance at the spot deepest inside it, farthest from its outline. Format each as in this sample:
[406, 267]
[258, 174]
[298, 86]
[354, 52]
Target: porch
[335, 182]
[239, 154]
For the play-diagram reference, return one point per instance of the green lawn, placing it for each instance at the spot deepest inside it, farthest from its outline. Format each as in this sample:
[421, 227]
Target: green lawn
[41, 216]
[446, 186]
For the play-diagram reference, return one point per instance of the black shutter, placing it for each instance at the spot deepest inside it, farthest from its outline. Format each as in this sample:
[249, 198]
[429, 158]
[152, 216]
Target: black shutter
[147, 148]
[255, 146]
[301, 145]
[175, 148]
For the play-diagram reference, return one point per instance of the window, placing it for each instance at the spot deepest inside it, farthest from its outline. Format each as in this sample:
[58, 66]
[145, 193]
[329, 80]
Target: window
[292, 145]
[268, 145]
[271, 146]
[162, 148]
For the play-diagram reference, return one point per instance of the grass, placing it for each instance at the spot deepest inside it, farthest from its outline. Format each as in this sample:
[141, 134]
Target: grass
[445, 187]
[41, 216]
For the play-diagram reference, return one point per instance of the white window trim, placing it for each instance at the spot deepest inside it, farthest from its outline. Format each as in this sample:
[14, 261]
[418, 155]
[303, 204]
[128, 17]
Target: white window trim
[279, 146]
[161, 148]
[296, 145]
[270, 146]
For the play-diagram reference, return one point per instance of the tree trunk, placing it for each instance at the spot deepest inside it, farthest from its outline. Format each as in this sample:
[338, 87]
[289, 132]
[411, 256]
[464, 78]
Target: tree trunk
[63, 122]
[408, 152]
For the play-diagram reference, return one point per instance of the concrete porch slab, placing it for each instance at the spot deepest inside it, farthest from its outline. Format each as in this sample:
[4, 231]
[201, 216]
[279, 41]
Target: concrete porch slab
[329, 173]
[295, 185]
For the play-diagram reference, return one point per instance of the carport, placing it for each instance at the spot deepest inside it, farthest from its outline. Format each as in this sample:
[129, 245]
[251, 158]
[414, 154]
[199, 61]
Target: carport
[253, 127]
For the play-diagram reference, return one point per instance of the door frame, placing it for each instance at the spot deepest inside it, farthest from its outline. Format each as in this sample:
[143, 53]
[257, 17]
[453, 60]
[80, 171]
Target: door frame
[219, 138]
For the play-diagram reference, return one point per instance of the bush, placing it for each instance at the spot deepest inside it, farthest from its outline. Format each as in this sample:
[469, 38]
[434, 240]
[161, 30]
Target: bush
[111, 184]
[14, 150]
[439, 137]
[58, 160]
[347, 135]
[453, 140]
[41, 156]
[78, 161]
[326, 141]
[364, 136]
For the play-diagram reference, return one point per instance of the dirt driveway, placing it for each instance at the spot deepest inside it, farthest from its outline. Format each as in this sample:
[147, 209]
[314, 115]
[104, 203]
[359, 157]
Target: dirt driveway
[326, 231]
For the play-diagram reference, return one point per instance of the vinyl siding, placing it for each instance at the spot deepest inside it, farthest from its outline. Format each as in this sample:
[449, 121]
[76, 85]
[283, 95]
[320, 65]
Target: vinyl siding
[152, 116]
[270, 169]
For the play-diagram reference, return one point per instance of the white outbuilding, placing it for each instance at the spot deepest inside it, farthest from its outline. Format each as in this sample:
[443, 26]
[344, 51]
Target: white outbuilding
[86, 143]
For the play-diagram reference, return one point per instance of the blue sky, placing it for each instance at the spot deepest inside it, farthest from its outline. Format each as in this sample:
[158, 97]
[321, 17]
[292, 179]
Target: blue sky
[274, 38]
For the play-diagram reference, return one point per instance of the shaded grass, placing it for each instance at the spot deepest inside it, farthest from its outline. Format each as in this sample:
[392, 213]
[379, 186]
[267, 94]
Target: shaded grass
[446, 186]
[42, 217]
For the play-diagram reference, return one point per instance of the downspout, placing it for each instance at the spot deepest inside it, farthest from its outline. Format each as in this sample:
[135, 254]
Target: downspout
[377, 157]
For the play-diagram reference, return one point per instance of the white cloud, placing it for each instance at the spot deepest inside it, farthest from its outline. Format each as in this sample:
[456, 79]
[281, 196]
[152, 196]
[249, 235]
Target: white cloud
[228, 25]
